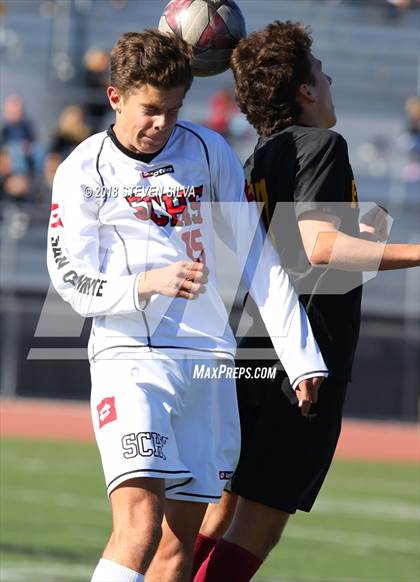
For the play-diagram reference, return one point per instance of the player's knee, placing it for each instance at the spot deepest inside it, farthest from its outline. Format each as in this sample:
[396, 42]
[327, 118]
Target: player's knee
[215, 526]
[271, 536]
[219, 516]
[135, 536]
[271, 539]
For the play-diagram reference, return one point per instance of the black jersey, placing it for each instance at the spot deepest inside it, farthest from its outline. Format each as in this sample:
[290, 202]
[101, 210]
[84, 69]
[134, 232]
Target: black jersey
[309, 170]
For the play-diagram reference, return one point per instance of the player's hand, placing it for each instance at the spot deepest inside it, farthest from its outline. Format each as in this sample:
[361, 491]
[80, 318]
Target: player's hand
[375, 224]
[307, 393]
[182, 279]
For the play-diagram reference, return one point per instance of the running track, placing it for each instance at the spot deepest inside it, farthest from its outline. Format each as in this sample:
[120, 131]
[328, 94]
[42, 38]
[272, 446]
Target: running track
[61, 420]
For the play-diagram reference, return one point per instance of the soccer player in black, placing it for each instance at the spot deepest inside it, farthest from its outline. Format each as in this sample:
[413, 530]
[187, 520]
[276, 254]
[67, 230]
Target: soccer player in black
[325, 242]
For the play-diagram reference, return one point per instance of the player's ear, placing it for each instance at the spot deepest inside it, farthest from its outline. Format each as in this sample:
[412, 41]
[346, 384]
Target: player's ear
[305, 93]
[115, 98]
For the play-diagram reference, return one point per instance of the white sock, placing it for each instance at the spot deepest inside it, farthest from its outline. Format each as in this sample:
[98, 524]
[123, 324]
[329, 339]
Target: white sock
[107, 571]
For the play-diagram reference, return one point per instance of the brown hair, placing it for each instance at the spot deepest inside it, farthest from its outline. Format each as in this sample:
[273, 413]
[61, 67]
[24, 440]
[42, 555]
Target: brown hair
[150, 57]
[268, 67]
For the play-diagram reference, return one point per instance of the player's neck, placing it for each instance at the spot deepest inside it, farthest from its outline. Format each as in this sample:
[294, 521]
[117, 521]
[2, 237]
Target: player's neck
[147, 158]
[310, 118]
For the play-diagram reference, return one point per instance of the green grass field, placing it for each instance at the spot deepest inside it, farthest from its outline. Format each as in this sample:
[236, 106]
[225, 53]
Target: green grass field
[55, 520]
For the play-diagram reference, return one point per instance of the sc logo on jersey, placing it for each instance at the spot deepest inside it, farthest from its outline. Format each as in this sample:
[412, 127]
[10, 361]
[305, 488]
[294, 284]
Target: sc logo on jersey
[145, 444]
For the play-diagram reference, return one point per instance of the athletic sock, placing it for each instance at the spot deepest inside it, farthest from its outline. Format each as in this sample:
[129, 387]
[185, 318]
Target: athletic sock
[107, 571]
[228, 562]
[202, 548]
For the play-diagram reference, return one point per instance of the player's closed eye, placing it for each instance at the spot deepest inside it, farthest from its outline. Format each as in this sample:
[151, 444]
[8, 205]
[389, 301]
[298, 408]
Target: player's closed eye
[152, 112]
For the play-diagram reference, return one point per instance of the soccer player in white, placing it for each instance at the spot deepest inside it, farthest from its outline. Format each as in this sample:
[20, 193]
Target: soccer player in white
[131, 244]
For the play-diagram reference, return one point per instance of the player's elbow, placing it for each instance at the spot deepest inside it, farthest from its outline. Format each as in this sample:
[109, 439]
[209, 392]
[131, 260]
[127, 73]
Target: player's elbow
[321, 253]
[319, 258]
[83, 312]
[82, 308]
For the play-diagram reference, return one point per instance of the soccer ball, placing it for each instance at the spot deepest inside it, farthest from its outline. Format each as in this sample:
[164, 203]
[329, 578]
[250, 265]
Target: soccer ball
[212, 27]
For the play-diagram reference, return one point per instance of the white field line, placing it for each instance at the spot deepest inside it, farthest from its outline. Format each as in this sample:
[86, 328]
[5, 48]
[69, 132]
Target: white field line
[357, 542]
[386, 509]
[95, 536]
[401, 486]
[44, 572]
[42, 465]
[57, 499]
[395, 484]
[383, 509]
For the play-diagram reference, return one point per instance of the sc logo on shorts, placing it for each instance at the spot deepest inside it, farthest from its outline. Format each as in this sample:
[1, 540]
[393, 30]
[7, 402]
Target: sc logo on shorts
[145, 444]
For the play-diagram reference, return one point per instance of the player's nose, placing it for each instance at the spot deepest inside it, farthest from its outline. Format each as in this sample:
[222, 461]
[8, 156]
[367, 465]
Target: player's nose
[160, 121]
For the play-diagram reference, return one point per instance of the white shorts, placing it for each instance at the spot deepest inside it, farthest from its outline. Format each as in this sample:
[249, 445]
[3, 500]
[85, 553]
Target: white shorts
[153, 419]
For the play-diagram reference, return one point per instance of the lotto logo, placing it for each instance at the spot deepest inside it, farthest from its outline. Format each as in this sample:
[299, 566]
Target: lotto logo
[106, 411]
[225, 475]
[55, 218]
[158, 172]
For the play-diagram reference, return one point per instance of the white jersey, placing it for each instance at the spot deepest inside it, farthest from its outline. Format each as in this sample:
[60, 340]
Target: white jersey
[115, 216]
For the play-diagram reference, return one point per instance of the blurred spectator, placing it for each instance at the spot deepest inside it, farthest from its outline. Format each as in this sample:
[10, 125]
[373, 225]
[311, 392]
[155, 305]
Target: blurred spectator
[409, 141]
[397, 8]
[5, 169]
[400, 6]
[374, 155]
[71, 130]
[222, 110]
[412, 110]
[119, 4]
[17, 188]
[43, 190]
[16, 126]
[17, 135]
[386, 10]
[14, 188]
[96, 63]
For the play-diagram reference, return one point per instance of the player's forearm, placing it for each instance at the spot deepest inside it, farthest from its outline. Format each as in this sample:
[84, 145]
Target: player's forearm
[340, 251]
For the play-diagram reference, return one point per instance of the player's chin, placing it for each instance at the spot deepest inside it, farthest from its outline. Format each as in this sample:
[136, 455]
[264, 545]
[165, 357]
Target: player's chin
[333, 119]
[149, 146]
[331, 122]
[146, 147]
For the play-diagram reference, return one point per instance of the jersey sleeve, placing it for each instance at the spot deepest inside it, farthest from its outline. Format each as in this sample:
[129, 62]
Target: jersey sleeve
[73, 255]
[283, 315]
[321, 173]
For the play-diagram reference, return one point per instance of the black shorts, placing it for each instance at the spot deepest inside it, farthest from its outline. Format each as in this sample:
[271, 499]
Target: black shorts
[285, 456]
